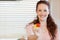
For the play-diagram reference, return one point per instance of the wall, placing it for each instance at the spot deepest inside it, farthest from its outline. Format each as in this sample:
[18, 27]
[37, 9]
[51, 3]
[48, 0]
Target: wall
[55, 11]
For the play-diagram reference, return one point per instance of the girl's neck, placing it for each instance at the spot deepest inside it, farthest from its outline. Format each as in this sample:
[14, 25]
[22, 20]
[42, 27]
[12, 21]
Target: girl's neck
[43, 24]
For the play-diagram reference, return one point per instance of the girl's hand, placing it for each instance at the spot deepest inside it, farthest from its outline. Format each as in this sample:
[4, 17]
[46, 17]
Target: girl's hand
[32, 37]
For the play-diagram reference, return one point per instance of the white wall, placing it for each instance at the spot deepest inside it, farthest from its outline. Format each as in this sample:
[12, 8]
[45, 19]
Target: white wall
[55, 6]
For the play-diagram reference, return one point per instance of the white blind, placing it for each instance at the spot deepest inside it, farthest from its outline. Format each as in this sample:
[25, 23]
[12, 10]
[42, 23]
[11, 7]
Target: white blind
[14, 16]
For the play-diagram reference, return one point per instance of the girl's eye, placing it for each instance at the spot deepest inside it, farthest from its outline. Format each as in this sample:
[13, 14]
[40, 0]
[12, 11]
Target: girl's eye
[39, 10]
[45, 10]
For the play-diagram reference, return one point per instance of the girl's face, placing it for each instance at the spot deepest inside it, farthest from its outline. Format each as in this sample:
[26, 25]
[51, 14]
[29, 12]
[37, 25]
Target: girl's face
[42, 11]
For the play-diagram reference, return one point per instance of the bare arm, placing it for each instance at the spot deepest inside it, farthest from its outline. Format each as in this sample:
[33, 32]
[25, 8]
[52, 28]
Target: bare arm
[30, 33]
[57, 35]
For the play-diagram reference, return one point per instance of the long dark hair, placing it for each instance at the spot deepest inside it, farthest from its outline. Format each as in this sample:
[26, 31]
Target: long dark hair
[51, 26]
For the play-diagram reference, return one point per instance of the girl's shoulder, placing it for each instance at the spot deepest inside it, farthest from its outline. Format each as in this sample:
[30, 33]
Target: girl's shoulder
[57, 34]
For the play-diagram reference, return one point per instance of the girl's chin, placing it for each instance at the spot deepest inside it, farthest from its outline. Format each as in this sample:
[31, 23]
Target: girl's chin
[42, 19]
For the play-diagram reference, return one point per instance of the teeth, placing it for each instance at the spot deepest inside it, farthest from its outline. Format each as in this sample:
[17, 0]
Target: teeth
[42, 16]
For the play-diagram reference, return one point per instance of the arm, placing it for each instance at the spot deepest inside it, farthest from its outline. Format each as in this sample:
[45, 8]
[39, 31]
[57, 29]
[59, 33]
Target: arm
[57, 35]
[30, 33]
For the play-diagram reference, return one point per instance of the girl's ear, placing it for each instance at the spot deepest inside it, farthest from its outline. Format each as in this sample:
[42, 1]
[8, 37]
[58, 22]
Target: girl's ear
[36, 11]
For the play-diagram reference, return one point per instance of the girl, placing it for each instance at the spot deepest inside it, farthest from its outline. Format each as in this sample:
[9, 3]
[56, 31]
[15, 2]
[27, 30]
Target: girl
[42, 28]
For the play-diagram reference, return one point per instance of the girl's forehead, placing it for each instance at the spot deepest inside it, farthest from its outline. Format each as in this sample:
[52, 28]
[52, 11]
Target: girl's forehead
[42, 6]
